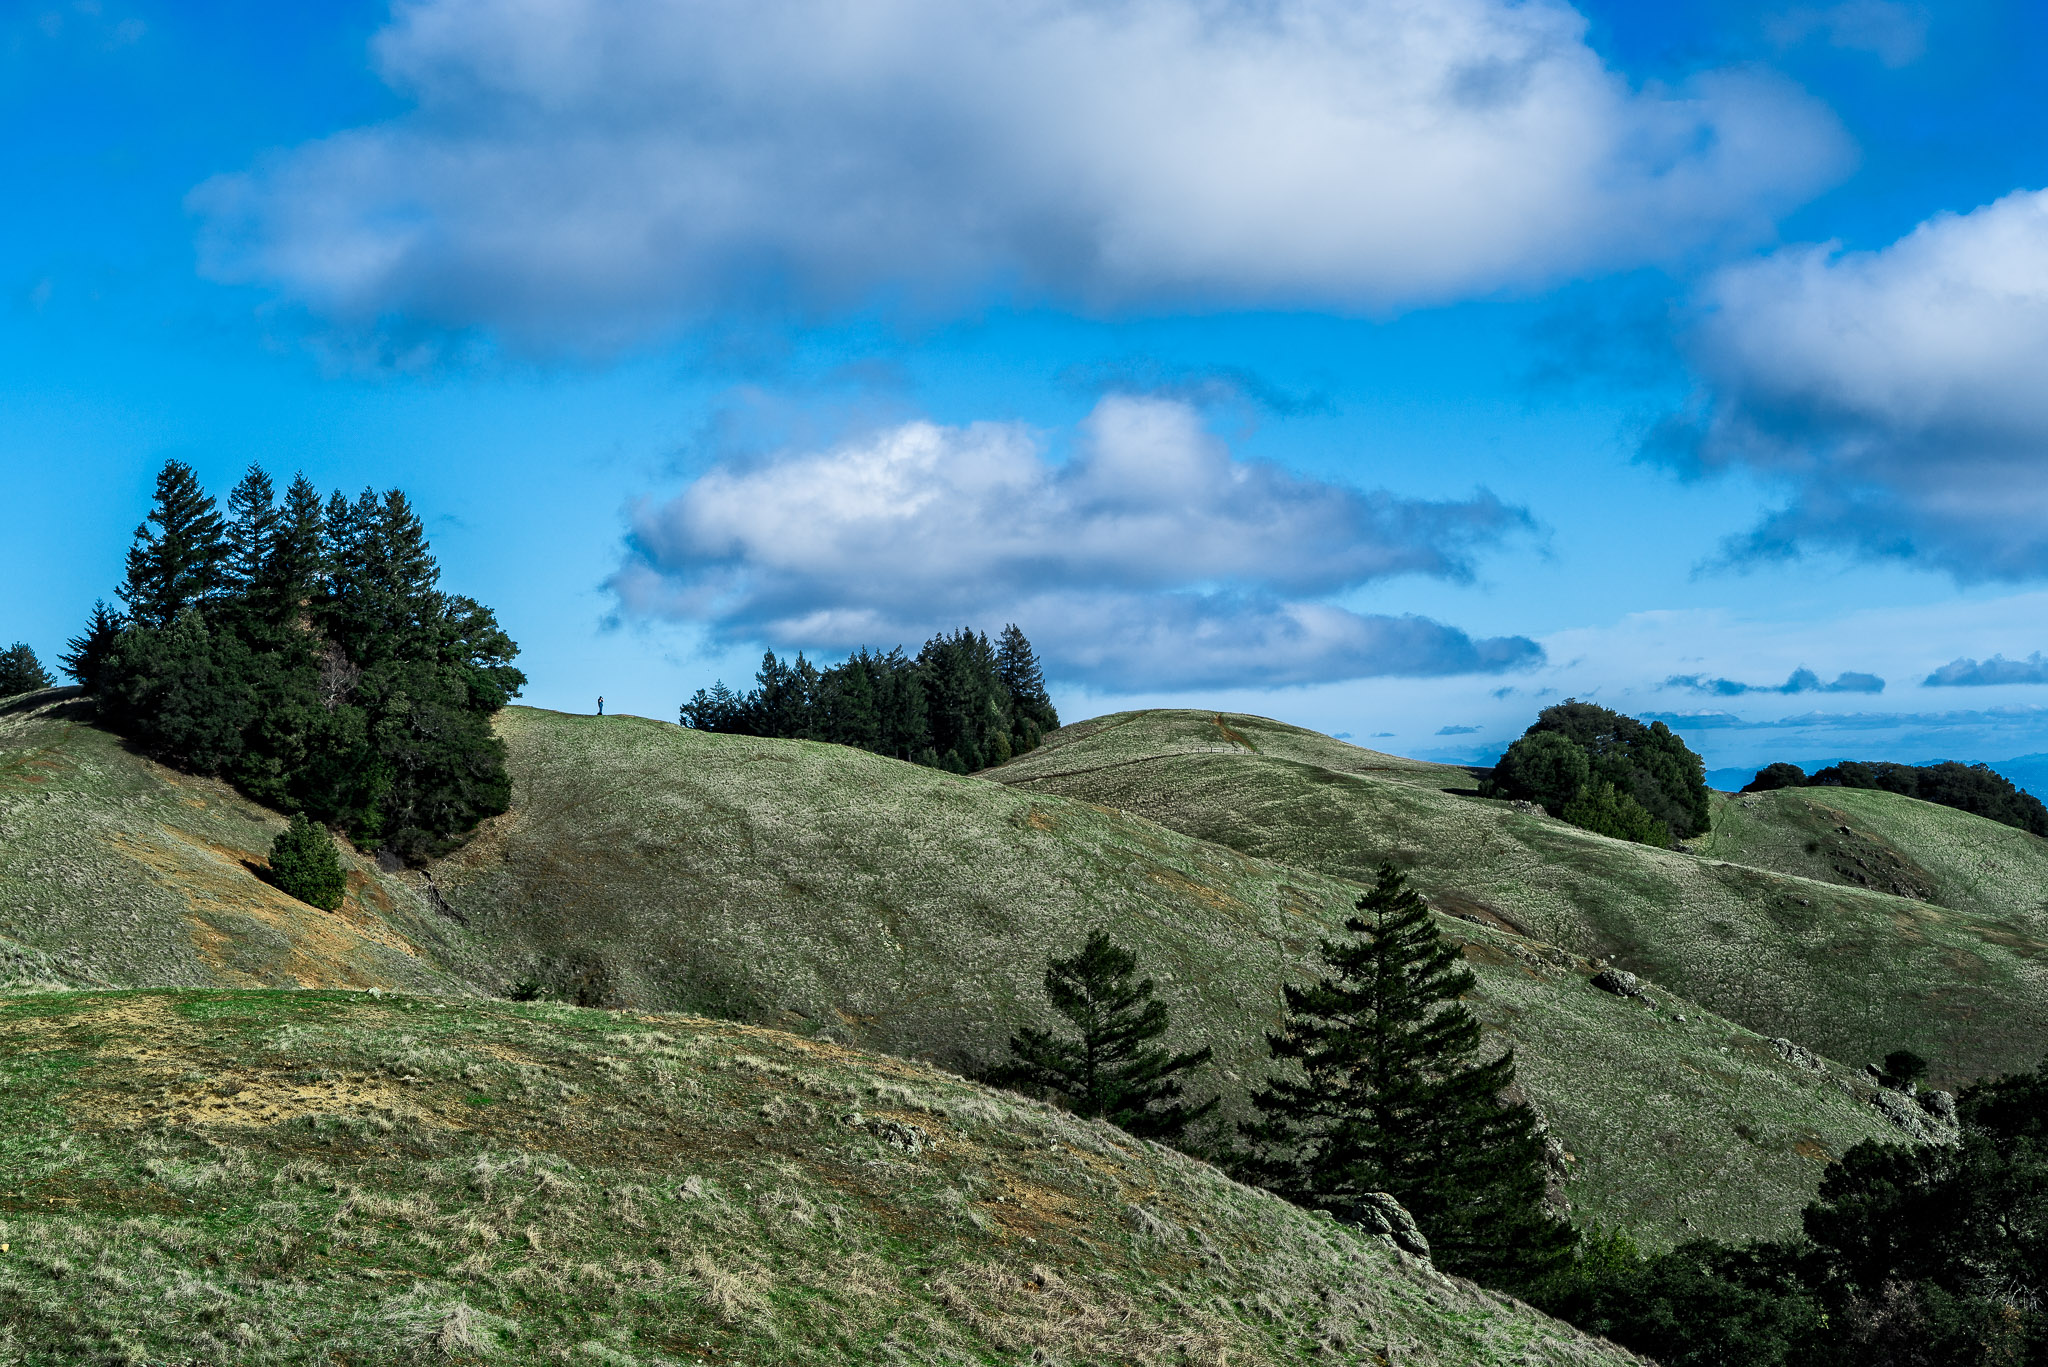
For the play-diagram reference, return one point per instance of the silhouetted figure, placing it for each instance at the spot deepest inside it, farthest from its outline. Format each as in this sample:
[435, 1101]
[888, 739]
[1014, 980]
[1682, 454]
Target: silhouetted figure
[600, 704]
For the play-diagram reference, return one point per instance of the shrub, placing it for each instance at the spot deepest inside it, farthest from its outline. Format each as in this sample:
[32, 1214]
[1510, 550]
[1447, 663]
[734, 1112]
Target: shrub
[304, 863]
[1605, 810]
[1772, 777]
[1543, 767]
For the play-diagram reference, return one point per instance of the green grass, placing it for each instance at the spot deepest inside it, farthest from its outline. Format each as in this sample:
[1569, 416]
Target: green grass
[269, 1177]
[1848, 971]
[842, 895]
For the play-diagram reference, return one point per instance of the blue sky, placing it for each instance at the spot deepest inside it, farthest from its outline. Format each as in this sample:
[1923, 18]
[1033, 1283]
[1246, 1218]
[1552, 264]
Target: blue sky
[1391, 368]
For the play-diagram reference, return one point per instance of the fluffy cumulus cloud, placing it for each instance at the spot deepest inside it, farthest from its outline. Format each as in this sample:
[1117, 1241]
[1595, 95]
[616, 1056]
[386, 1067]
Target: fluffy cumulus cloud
[1984, 673]
[1898, 394]
[1800, 681]
[592, 171]
[1150, 558]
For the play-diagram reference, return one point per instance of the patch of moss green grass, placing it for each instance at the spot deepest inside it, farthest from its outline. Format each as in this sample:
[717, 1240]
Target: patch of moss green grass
[270, 1177]
[836, 893]
[1850, 972]
[1947, 857]
[117, 870]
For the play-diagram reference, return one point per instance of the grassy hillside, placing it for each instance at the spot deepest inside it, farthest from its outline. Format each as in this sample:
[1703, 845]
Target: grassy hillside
[117, 870]
[842, 895]
[1900, 844]
[327, 1177]
[1850, 972]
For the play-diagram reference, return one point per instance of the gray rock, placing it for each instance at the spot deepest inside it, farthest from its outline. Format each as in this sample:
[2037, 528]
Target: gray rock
[1377, 1212]
[1618, 981]
[1941, 1105]
[1799, 1056]
[1899, 1108]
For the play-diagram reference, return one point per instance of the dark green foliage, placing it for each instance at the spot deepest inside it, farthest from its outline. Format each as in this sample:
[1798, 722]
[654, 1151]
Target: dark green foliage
[1544, 767]
[179, 553]
[1389, 1094]
[960, 705]
[21, 671]
[1904, 1068]
[1974, 788]
[1602, 808]
[1108, 1067]
[1772, 777]
[86, 659]
[311, 659]
[1655, 788]
[304, 863]
[1647, 763]
[1932, 1255]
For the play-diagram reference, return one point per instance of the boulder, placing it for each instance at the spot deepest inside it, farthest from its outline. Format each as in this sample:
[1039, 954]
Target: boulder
[1377, 1212]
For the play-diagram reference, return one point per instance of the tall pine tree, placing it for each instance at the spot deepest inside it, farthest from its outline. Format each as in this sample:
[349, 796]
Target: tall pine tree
[1031, 709]
[177, 556]
[1389, 1094]
[1108, 1065]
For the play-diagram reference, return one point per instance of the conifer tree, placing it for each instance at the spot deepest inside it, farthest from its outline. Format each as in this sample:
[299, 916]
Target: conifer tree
[1108, 1066]
[85, 659]
[292, 578]
[176, 559]
[21, 671]
[1389, 1094]
[251, 531]
[1031, 707]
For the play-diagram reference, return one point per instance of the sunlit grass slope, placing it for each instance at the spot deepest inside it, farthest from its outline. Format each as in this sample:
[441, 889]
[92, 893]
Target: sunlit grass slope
[837, 893]
[1850, 972]
[117, 870]
[832, 891]
[325, 1177]
[1867, 838]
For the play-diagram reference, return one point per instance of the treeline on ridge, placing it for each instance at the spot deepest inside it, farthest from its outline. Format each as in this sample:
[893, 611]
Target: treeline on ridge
[961, 705]
[303, 650]
[1608, 773]
[1974, 788]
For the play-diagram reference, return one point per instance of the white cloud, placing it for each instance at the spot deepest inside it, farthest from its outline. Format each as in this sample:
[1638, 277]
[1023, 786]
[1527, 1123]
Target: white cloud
[1898, 393]
[1151, 557]
[1895, 34]
[588, 172]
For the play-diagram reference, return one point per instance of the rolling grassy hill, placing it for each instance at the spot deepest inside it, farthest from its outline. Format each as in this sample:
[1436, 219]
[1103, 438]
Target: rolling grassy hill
[845, 896]
[1846, 970]
[328, 1177]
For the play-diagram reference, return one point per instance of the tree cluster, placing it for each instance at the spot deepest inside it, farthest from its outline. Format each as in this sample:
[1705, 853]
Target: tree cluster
[961, 705]
[1975, 788]
[1381, 1088]
[21, 671]
[1609, 773]
[1933, 1255]
[303, 650]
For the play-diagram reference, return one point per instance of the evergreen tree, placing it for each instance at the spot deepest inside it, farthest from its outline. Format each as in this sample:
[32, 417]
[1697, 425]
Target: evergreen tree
[292, 579]
[305, 864]
[1031, 706]
[251, 532]
[1108, 1066]
[176, 559]
[21, 671]
[85, 660]
[1390, 1095]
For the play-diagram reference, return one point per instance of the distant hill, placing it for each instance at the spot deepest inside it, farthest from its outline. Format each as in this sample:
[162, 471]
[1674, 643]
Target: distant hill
[1854, 971]
[2027, 772]
[840, 894]
[331, 1177]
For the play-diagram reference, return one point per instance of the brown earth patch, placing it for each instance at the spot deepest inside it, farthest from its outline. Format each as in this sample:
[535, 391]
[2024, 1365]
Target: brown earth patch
[1814, 1149]
[1472, 909]
[1213, 898]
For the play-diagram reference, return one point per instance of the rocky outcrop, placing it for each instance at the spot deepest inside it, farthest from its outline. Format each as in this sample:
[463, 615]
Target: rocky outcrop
[1799, 1056]
[1377, 1212]
[1622, 984]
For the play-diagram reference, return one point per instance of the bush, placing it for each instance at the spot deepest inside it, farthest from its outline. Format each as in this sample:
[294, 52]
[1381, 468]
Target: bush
[1544, 767]
[1772, 777]
[1603, 809]
[304, 863]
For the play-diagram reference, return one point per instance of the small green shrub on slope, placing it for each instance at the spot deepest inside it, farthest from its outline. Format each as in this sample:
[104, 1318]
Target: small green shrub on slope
[1648, 767]
[304, 863]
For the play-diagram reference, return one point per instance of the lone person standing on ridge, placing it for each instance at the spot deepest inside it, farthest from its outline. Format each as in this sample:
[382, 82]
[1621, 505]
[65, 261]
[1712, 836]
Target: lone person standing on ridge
[600, 704]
